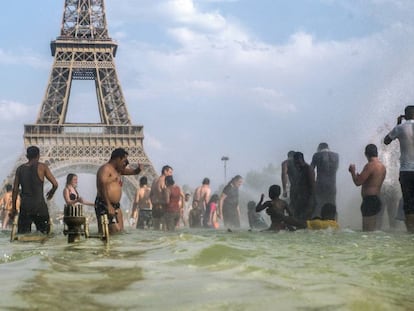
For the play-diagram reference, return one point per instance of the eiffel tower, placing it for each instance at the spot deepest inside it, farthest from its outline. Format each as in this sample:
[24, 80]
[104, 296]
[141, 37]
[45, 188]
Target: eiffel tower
[84, 51]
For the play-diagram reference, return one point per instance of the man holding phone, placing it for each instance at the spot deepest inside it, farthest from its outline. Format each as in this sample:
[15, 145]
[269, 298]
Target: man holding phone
[404, 132]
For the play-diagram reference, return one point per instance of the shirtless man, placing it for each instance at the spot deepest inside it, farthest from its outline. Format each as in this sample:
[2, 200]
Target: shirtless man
[141, 210]
[33, 209]
[157, 196]
[202, 197]
[109, 189]
[371, 179]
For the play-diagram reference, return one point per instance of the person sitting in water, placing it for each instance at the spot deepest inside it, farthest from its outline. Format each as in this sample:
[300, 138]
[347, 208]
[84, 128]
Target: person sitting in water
[273, 206]
[327, 220]
[256, 220]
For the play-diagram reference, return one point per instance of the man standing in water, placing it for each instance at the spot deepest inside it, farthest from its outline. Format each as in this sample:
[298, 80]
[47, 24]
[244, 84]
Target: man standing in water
[202, 197]
[141, 208]
[404, 132]
[326, 164]
[109, 189]
[371, 179]
[33, 208]
[157, 196]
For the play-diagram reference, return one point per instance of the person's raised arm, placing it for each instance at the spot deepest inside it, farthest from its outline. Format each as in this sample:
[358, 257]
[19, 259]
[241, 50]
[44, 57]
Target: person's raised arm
[360, 178]
[132, 171]
[261, 206]
[387, 140]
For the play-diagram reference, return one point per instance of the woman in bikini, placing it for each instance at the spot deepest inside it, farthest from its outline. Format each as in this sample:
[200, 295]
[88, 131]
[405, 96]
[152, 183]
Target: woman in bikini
[70, 194]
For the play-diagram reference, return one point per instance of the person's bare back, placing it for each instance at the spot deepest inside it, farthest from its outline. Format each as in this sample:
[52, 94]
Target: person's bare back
[143, 198]
[376, 174]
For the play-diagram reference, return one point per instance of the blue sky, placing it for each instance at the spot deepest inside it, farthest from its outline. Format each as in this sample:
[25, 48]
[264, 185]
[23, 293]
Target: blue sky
[247, 79]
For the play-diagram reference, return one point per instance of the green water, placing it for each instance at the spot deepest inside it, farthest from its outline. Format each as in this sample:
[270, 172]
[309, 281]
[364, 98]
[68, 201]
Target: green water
[211, 270]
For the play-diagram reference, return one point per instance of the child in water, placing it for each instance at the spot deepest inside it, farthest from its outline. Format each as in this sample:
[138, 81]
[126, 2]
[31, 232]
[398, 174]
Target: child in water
[210, 215]
[274, 206]
[256, 220]
[327, 220]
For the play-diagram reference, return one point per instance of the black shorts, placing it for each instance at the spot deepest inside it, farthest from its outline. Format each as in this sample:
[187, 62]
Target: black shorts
[41, 221]
[371, 205]
[145, 218]
[102, 209]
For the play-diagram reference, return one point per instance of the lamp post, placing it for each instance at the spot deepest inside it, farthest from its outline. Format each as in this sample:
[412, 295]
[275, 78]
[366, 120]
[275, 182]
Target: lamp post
[225, 159]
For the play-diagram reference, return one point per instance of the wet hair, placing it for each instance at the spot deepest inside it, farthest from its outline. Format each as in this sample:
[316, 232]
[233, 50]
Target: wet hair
[298, 156]
[8, 188]
[290, 153]
[251, 205]
[165, 168]
[143, 181]
[371, 151]
[32, 152]
[328, 211]
[274, 191]
[69, 178]
[323, 146]
[214, 198]
[235, 178]
[169, 180]
[409, 112]
[206, 181]
[118, 153]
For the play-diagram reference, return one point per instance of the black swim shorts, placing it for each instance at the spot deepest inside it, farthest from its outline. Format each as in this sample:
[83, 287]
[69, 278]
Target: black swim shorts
[371, 205]
[102, 209]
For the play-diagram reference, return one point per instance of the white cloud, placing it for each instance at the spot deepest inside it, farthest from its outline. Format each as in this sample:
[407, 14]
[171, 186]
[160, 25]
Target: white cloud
[152, 143]
[25, 58]
[185, 12]
[13, 111]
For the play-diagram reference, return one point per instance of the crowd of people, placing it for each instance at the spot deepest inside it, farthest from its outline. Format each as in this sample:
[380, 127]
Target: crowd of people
[305, 199]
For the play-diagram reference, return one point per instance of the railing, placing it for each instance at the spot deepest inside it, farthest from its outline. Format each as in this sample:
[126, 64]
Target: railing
[81, 129]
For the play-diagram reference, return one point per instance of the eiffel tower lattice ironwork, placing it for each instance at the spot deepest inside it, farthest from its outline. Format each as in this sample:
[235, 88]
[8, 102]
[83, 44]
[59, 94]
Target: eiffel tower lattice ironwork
[84, 51]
